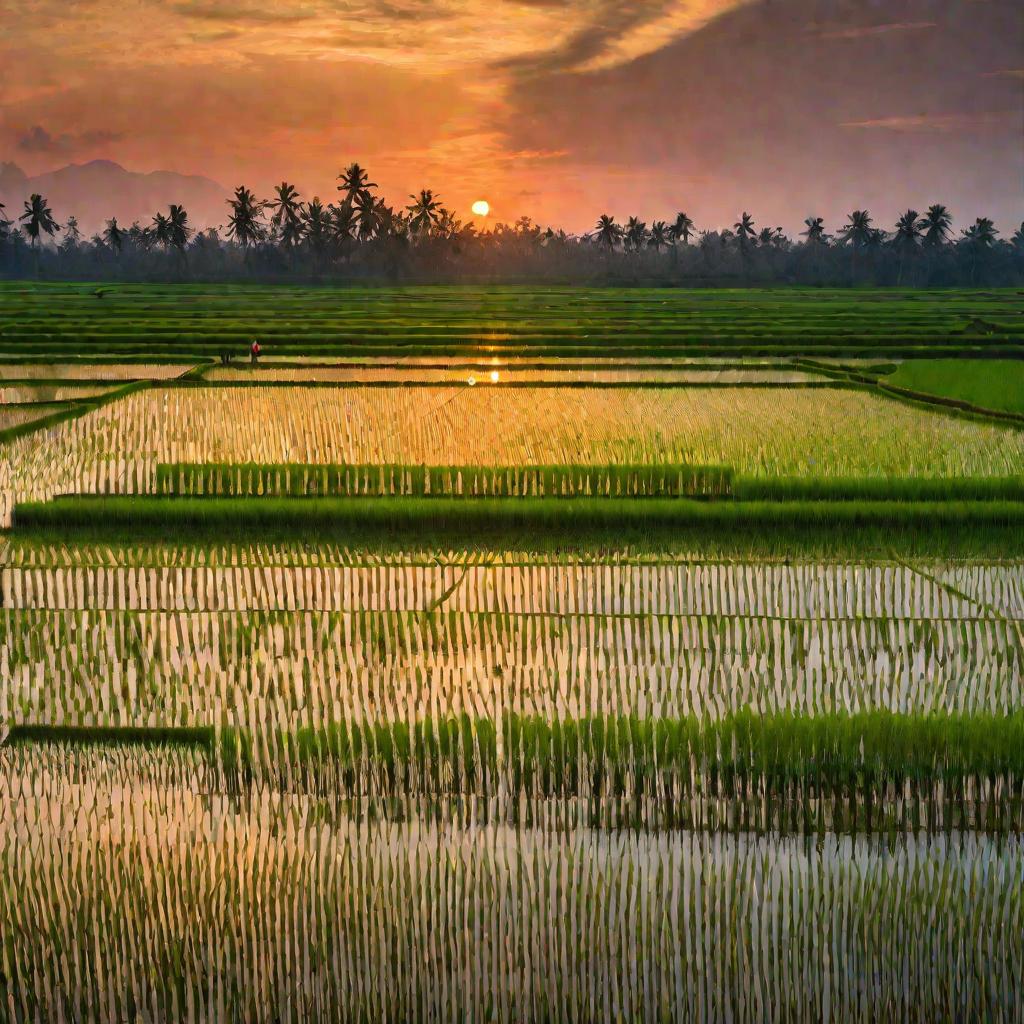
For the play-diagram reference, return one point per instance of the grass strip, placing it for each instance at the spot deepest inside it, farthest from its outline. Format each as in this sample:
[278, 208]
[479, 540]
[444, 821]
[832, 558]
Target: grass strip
[776, 747]
[849, 770]
[818, 528]
[875, 489]
[648, 481]
[107, 735]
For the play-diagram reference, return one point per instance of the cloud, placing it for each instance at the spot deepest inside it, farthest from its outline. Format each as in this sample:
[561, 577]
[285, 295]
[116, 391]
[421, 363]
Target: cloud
[868, 31]
[989, 120]
[214, 10]
[37, 140]
[256, 122]
[570, 105]
[606, 27]
[749, 111]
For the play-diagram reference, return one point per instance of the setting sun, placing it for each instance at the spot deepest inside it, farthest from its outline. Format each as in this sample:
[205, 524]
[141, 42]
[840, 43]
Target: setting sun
[481, 208]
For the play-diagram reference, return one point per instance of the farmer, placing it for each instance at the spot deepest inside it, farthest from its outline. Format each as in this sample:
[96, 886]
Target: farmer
[254, 352]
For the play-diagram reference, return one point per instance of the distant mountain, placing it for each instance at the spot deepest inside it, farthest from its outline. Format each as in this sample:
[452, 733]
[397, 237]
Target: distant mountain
[96, 191]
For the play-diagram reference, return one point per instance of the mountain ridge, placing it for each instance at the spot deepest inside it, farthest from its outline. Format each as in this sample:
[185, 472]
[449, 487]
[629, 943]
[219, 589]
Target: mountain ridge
[96, 190]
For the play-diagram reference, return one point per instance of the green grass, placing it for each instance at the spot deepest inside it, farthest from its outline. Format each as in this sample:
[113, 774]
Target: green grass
[819, 527]
[833, 767]
[987, 383]
[648, 481]
[160, 736]
[840, 748]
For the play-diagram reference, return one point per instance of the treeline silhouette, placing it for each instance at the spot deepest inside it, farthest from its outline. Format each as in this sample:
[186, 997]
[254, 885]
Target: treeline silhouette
[359, 237]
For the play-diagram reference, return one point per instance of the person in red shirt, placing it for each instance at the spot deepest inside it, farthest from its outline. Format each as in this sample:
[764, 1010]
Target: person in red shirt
[254, 352]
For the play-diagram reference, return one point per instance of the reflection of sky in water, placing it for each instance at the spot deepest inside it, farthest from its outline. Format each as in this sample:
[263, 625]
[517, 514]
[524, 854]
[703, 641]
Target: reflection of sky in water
[268, 645]
[135, 843]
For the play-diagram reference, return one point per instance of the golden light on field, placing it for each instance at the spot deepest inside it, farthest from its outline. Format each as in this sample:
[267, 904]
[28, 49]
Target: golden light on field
[481, 208]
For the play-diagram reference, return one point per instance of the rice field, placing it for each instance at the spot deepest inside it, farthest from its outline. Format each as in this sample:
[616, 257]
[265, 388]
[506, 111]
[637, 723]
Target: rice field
[733, 730]
[758, 433]
[52, 320]
[268, 907]
[257, 647]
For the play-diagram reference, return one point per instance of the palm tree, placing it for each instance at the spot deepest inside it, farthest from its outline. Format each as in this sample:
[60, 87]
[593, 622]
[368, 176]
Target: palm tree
[448, 225]
[161, 231]
[1017, 240]
[979, 238]
[342, 219]
[682, 228]
[815, 233]
[770, 237]
[287, 216]
[177, 228]
[659, 235]
[38, 219]
[388, 222]
[607, 231]
[982, 233]
[857, 230]
[424, 211]
[355, 179]
[858, 234]
[936, 225]
[908, 232]
[244, 223]
[114, 236]
[316, 226]
[636, 234]
[744, 230]
[72, 235]
[367, 213]
[140, 237]
[5, 224]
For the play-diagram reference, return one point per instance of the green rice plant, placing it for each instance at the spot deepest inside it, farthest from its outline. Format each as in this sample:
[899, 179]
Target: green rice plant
[435, 520]
[295, 480]
[266, 902]
[820, 488]
[77, 735]
[784, 771]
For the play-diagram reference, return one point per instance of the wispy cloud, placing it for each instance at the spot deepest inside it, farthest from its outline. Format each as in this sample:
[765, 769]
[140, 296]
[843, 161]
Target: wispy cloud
[225, 10]
[944, 124]
[869, 31]
[37, 140]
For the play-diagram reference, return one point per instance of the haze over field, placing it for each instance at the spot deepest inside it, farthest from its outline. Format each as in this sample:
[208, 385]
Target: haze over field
[556, 109]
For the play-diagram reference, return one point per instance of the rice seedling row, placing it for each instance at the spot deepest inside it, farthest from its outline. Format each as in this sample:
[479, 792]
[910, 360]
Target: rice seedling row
[240, 906]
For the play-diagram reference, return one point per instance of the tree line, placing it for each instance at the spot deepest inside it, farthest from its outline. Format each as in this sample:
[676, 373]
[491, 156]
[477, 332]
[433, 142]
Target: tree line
[360, 237]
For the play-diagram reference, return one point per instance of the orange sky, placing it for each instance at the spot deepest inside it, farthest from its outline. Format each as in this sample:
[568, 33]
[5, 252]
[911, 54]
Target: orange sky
[559, 109]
